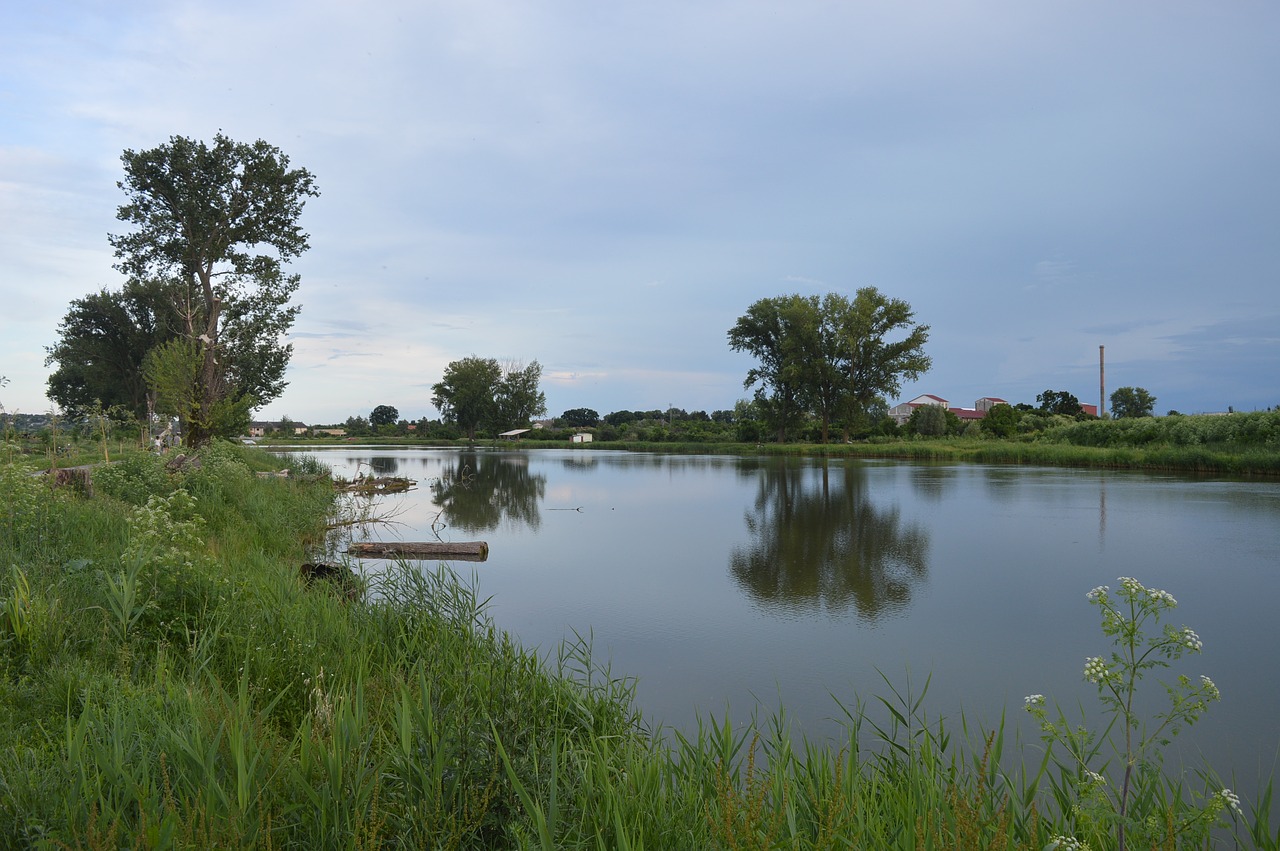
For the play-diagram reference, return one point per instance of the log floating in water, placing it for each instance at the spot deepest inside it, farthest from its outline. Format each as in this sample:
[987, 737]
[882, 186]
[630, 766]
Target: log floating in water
[458, 551]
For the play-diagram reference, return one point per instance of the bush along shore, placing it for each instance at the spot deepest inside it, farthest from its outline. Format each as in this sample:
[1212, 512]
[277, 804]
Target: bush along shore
[171, 678]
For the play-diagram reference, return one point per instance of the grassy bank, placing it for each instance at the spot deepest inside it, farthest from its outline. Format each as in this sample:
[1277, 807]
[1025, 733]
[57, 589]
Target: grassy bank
[168, 679]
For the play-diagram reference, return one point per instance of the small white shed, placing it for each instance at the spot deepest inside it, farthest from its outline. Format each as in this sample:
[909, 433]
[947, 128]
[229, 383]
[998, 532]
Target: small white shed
[581, 437]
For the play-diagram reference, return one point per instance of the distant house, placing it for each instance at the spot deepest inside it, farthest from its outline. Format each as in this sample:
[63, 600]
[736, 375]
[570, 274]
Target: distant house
[260, 429]
[902, 412]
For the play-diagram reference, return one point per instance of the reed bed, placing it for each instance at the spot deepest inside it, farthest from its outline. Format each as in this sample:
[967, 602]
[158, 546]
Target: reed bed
[169, 680]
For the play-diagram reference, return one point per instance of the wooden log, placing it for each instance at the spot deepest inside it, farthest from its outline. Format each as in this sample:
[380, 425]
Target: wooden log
[456, 551]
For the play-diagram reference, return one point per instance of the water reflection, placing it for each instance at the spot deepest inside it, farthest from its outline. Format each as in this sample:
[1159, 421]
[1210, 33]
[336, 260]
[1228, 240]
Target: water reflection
[480, 491]
[818, 541]
[933, 483]
[384, 465]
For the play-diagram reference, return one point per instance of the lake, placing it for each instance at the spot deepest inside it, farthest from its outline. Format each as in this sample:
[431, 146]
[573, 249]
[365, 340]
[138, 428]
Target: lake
[728, 585]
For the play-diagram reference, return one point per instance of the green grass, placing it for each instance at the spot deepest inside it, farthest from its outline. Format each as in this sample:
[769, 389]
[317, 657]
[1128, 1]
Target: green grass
[167, 680]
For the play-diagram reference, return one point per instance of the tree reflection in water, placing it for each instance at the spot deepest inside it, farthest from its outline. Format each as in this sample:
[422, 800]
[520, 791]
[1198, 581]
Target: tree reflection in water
[818, 541]
[483, 490]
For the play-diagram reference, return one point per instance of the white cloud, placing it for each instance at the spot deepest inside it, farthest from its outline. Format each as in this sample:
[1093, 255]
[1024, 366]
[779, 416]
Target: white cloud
[606, 188]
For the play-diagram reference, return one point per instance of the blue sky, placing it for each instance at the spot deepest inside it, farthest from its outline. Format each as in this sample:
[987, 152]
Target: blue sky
[606, 187]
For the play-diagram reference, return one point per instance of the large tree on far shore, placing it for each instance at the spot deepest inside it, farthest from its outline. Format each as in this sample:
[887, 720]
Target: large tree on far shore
[217, 224]
[519, 396]
[467, 394]
[780, 333]
[833, 357]
[1132, 402]
[878, 346]
[1059, 402]
[480, 393]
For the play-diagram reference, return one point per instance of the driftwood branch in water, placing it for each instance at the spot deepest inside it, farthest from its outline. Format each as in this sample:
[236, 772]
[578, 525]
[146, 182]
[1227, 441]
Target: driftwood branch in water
[458, 551]
[375, 484]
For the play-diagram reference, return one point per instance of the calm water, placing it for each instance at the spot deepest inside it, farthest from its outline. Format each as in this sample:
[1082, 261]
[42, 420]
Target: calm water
[731, 584]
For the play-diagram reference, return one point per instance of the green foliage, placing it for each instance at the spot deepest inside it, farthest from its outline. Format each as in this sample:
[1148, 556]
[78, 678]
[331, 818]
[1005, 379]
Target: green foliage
[174, 371]
[216, 224]
[1059, 402]
[773, 332]
[1132, 402]
[133, 480]
[467, 394]
[1260, 429]
[15, 613]
[580, 418]
[928, 421]
[1001, 420]
[519, 397]
[102, 342]
[479, 393]
[383, 415]
[24, 503]
[831, 357]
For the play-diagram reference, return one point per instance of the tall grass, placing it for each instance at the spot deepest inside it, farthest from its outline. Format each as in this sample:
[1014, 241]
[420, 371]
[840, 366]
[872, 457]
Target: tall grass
[168, 680]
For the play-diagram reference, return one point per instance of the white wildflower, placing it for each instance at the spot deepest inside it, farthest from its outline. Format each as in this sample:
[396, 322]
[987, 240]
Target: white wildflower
[1033, 700]
[1095, 669]
[1191, 640]
[1231, 799]
[1066, 843]
[1097, 593]
[1210, 689]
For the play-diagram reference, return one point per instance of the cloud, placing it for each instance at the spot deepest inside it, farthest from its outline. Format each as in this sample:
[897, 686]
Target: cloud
[607, 191]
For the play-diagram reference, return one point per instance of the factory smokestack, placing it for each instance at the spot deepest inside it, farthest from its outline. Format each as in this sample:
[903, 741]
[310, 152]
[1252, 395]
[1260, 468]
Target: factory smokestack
[1102, 381]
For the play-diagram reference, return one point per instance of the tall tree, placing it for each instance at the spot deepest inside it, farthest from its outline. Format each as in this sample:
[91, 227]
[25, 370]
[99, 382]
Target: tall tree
[383, 415]
[218, 223]
[1132, 402]
[519, 397]
[778, 333]
[466, 395]
[1059, 402]
[580, 418]
[878, 346]
[834, 357]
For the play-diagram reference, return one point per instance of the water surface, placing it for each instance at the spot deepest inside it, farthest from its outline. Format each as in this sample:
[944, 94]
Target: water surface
[727, 584]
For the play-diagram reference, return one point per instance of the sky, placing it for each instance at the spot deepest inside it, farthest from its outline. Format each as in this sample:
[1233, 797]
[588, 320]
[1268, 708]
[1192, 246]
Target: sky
[606, 187]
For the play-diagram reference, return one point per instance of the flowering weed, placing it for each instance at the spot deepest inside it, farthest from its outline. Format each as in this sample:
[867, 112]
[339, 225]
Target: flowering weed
[1139, 804]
